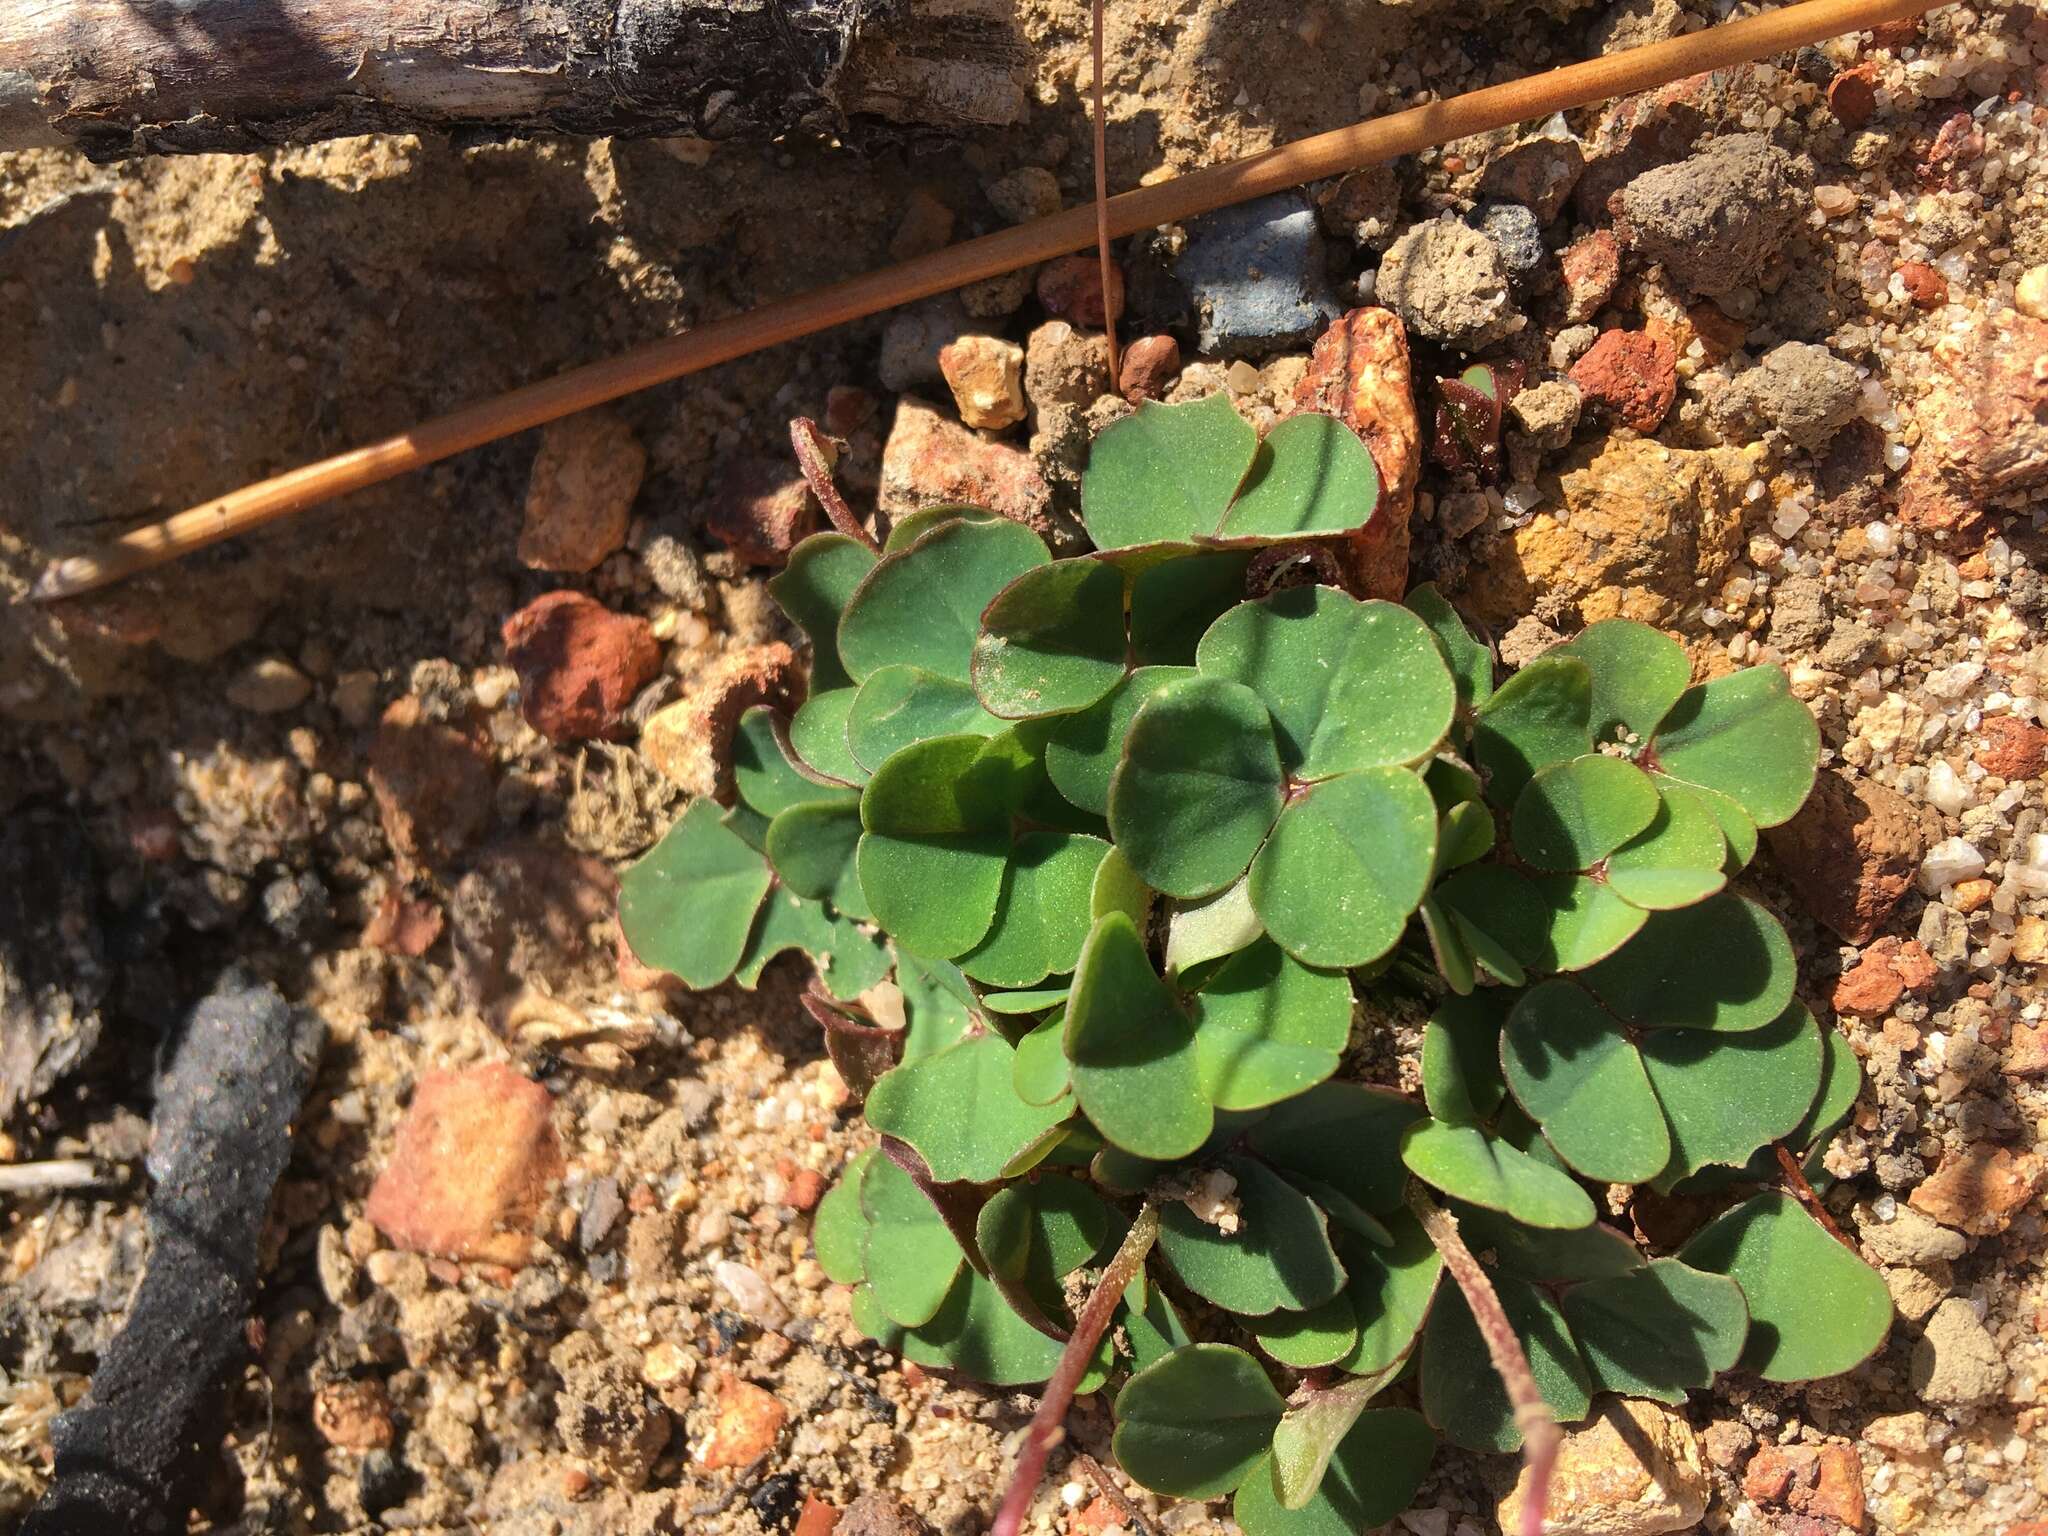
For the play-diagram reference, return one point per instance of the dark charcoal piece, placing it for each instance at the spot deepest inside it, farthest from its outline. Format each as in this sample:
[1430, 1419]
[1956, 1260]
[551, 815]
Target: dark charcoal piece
[774, 1501]
[53, 972]
[131, 1458]
[1258, 276]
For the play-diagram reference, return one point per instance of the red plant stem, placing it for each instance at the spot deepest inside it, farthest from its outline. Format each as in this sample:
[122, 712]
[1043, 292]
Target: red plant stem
[1532, 1415]
[1047, 1424]
[1102, 205]
[1803, 1192]
[811, 458]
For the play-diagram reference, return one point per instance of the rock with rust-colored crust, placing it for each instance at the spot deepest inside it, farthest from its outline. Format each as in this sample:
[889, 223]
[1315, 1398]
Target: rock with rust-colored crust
[579, 664]
[475, 1157]
[761, 510]
[1634, 1470]
[1590, 269]
[432, 781]
[580, 497]
[929, 459]
[1983, 423]
[1888, 970]
[1644, 529]
[1980, 1189]
[1632, 376]
[1850, 853]
[746, 1422]
[1360, 373]
[688, 741]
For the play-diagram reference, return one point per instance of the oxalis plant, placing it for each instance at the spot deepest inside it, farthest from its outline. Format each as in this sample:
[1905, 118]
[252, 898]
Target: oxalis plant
[1151, 842]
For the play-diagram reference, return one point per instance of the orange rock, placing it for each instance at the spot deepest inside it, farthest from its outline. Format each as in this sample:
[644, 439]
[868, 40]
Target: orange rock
[579, 664]
[1851, 852]
[1852, 95]
[931, 460]
[1838, 1492]
[1070, 288]
[1926, 287]
[352, 1415]
[2027, 1055]
[402, 925]
[1633, 374]
[1094, 1517]
[1591, 268]
[1888, 969]
[689, 741]
[1980, 1189]
[1966, 896]
[1825, 1481]
[745, 1424]
[818, 1517]
[1360, 373]
[432, 781]
[2014, 749]
[806, 1189]
[475, 1157]
[1150, 365]
[580, 498]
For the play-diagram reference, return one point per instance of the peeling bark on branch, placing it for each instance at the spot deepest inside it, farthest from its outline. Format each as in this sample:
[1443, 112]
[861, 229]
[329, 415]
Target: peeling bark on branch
[125, 77]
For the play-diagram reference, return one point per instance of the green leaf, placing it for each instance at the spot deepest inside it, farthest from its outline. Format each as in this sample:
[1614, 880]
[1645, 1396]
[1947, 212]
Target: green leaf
[1268, 1028]
[1551, 923]
[1174, 602]
[1841, 1081]
[1468, 1163]
[1312, 475]
[1575, 813]
[1152, 1326]
[1042, 915]
[937, 1000]
[1198, 788]
[1040, 1070]
[812, 847]
[1304, 1340]
[1345, 1135]
[1211, 928]
[1579, 1077]
[959, 1109]
[1317, 1421]
[1723, 964]
[1346, 866]
[1736, 827]
[838, 1231]
[1278, 1259]
[818, 733]
[813, 589]
[1349, 684]
[1594, 1252]
[1052, 641]
[1470, 662]
[1815, 1309]
[1029, 1000]
[1461, 1078]
[1536, 718]
[1192, 1425]
[1463, 1397]
[922, 606]
[762, 771]
[898, 706]
[1371, 1478]
[906, 530]
[689, 905]
[909, 1259]
[1133, 1050]
[937, 838]
[847, 958]
[1638, 674]
[872, 1321]
[1657, 1331]
[1165, 473]
[1391, 1290]
[1727, 1095]
[977, 1333]
[1085, 748]
[1118, 888]
[1042, 1231]
[1747, 737]
[1678, 859]
[1465, 833]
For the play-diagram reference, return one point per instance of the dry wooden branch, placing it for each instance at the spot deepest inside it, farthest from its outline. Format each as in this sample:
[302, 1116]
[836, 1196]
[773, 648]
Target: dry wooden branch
[128, 77]
[1327, 154]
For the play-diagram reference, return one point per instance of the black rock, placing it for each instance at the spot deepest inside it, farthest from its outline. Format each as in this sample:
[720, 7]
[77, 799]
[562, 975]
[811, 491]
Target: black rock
[1258, 277]
[1518, 238]
[775, 1500]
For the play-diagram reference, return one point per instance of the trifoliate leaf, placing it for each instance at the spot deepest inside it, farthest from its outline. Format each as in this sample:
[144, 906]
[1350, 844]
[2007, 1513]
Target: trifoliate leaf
[813, 589]
[959, 1109]
[1575, 813]
[1371, 1477]
[937, 1002]
[1084, 748]
[900, 705]
[762, 772]
[1042, 1231]
[909, 1258]
[1133, 1050]
[1165, 473]
[1722, 964]
[1678, 859]
[1461, 1079]
[1658, 1331]
[1192, 1425]
[1345, 1135]
[838, 1230]
[1304, 1340]
[1578, 1075]
[872, 1321]
[922, 606]
[847, 958]
[937, 837]
[1174, 602]
[1211, 928]
[1727, 1095]
[1347, 864]
[1312, 475]
[1815, 1309]
[1463, 1397]
[977, 1333]
[688, 906]
[1536, 718]
[1747, 737]
[1350, 685]
[1469, 1164]
[1390, 1292]
[812, 847]
[1596, 1252]
[1638, 674]
[1198, 788]
[1279, 1258]
[1052, 641]
[818, 733]
[1268, 1028]
[1042, 915]
[1470, 662]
